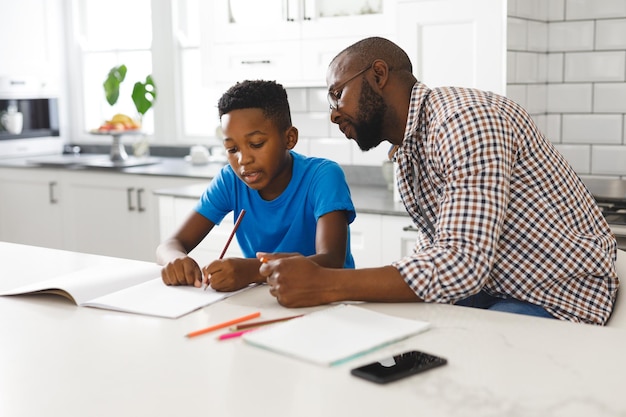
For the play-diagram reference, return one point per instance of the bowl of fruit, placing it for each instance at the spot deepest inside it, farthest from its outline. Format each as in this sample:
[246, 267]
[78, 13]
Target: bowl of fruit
[118, 124]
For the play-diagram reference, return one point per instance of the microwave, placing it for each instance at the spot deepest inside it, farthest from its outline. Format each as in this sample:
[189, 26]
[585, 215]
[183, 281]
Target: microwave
[40, 133]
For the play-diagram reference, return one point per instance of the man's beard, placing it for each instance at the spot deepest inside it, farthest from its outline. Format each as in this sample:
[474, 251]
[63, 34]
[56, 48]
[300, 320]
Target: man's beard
[369, 120]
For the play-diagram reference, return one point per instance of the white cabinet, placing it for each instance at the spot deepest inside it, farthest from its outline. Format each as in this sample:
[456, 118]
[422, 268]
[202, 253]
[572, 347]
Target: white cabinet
[114, 214]
[31, 207]
[105, 213]
[455, 42]
[32, 36]
[377, 240]
[366, 240]
[399, 236]
[291, 41]
[175, 210]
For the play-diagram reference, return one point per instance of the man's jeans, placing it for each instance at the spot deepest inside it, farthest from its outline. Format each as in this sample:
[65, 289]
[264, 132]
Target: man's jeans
[508, 305]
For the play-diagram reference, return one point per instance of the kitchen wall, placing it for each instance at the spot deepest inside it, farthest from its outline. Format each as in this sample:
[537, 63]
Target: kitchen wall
[566, 64]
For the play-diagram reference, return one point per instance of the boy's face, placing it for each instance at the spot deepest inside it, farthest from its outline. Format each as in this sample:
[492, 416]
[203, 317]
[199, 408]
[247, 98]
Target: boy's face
[258, 151]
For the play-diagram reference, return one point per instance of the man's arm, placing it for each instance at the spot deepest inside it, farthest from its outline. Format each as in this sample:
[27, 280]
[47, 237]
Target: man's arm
[298, 282]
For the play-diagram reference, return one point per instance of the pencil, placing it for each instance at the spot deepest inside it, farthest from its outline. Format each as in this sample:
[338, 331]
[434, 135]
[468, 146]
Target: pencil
[224, 324]
[232, 234]
[261, 323]
[241, 214]
[232, 335]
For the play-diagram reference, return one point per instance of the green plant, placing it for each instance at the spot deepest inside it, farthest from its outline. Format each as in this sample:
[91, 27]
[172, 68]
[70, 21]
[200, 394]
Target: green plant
[144, 93]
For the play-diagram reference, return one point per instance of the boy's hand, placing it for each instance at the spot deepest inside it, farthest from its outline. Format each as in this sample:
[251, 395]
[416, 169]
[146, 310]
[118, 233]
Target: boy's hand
[182, 271]
[231, 274]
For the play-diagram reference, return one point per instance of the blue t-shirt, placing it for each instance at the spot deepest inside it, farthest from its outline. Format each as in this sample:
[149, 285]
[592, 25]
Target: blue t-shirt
[288, 223]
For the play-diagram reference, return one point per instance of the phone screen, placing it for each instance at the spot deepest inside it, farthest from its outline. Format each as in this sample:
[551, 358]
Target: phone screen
[398, 366]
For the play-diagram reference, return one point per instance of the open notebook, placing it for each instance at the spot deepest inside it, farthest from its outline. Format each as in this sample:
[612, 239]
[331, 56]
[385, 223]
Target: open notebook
[124, 285]
[334, 335]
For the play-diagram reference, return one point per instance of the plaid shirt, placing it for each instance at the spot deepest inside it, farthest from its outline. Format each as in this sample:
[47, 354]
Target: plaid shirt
[504, 212]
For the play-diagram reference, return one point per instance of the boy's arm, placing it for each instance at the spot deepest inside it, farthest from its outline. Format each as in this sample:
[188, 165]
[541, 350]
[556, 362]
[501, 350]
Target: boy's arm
[179, 269]
[331, 240]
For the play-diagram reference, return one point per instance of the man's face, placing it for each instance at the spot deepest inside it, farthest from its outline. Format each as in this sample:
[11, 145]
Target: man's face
[370, 117]
[355, 106]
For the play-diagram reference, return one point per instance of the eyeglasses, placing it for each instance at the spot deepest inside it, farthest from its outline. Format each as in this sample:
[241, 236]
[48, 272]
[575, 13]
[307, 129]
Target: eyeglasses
[335, 95]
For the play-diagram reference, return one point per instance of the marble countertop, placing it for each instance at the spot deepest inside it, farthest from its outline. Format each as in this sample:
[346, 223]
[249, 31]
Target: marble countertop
[374, 200]
[62, 360]
[367, 199]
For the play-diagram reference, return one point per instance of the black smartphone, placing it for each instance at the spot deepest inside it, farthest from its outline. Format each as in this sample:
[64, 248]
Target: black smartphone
[398, 366]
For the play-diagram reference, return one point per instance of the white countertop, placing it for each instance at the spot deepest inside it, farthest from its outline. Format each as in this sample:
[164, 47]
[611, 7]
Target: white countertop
[57, 359]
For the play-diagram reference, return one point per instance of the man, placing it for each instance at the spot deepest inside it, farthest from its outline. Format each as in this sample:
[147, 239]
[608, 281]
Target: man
[505, 223]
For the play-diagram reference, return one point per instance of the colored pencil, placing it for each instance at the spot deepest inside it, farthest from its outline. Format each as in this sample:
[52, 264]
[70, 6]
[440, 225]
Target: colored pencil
[261, 323]
[232, 234]
[232, 335]
[224, 324]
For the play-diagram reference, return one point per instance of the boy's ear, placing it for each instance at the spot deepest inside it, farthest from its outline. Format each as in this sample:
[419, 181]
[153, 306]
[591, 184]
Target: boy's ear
[292, 137]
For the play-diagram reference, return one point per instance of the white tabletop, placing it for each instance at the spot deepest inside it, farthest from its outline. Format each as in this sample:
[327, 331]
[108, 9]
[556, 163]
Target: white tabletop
[57, 359]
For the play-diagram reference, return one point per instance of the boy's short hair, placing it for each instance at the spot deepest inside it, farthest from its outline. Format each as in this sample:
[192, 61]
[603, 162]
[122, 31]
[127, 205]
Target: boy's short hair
[268, 96]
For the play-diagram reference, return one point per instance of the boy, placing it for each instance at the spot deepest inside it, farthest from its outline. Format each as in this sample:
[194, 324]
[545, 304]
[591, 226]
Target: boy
[293, 203]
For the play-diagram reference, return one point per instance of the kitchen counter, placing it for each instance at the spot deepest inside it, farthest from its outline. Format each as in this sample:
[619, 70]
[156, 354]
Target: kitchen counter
[160, 166]
[62, 360]
[375, 200]
[367, 199]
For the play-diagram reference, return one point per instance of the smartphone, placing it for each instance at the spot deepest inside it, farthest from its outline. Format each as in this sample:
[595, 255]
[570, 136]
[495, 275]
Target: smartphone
[398, 366]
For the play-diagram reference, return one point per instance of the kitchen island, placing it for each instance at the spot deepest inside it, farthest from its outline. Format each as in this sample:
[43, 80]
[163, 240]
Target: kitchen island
[58, 359]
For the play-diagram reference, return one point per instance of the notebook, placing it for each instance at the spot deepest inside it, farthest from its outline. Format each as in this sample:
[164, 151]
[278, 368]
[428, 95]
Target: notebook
[334, 335]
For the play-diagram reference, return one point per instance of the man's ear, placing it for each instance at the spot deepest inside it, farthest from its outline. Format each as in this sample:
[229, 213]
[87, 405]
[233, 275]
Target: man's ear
[381, 72]
[292, 137]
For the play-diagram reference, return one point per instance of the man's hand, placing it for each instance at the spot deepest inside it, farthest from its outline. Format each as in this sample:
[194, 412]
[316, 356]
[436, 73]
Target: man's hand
[296, 281]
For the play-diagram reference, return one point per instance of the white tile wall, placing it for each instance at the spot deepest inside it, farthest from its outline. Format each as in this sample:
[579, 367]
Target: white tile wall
[608, 160]
[594, 9]
[611, 34]
[571, 36]
[578, 156]
[592, 128]
[569, 98]
[584, 77]
[610, 98]
[595, 66]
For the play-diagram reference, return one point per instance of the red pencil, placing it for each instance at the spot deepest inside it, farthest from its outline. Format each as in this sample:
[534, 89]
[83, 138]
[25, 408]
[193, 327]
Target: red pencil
[224, 324]
[232, 234]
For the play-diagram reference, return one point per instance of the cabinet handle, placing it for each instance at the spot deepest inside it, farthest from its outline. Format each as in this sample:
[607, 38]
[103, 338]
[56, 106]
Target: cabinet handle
[410, 229]
[129, 198]
[51, 186]
[253, 62]
[140, 206]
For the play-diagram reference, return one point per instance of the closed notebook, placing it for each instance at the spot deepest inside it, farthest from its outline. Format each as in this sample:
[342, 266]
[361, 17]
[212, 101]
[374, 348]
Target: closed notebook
[334, 335]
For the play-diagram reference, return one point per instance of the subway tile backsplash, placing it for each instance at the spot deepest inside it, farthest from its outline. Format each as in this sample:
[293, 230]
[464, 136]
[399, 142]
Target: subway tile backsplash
[575, 86]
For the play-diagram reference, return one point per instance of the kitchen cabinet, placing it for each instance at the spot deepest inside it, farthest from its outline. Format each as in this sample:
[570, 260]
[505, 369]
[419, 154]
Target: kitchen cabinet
[175, 210]
[31, 208]
[378, 239]
[455, 42]
[32, 39]
[399, 236]
[105, 213]
[287, 40]
[366, 240]
[114, 214]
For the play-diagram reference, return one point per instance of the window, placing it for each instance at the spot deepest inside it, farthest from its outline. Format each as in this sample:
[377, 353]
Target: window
[158, 37]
